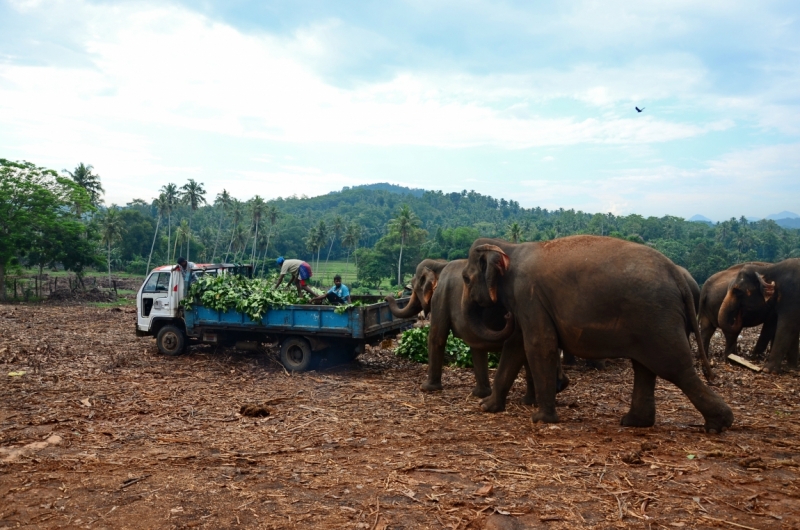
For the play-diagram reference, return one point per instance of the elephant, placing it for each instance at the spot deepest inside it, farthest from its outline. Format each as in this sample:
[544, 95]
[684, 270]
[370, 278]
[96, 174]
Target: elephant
[422, 287]
[770, 287]
[713, 293]
[438, 291]
[594, 297]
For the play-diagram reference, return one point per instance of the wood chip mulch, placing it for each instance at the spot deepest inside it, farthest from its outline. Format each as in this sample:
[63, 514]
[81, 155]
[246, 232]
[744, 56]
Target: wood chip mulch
[101, 431]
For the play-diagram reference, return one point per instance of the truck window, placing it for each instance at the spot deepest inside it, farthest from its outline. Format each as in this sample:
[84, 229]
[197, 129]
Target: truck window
[157, 283]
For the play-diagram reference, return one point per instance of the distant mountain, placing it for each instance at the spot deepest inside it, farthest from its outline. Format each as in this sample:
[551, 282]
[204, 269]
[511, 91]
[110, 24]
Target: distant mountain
[789, 223]
[393, 188]
[701, 219]
[783, 215]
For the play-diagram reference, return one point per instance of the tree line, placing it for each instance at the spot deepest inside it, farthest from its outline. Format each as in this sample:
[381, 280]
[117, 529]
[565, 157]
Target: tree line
[51, 219]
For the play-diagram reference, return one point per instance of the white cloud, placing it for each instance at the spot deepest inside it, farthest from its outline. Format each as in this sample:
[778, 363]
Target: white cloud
[753, 182]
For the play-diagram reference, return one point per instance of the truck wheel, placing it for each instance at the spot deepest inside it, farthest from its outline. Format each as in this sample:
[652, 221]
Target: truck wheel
[296, 354]
[171, 340]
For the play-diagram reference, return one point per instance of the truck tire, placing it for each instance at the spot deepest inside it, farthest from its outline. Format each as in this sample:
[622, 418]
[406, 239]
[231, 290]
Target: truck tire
[171, 340]
[296, 354]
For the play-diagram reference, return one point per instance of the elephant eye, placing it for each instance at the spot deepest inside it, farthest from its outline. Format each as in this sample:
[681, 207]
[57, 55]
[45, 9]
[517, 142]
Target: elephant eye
[466, 279]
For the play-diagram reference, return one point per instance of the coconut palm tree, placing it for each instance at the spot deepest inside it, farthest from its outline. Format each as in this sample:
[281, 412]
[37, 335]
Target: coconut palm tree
[271, 213]
[336, 231]
[236, 218]
[322, 236]
[224, 202]
[350, 240]
[170, 192]
[312, 241]
[181, 236]
[514, 231]
[161, 208]
[404, 224]
[193, 194]
[111, 230]
[85, 178]
[257, 213]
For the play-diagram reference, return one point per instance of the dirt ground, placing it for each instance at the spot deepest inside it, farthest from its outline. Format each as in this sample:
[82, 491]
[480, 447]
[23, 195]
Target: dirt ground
[101, 431]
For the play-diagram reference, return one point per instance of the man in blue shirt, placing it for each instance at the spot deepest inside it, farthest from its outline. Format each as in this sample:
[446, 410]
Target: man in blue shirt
[339, 294]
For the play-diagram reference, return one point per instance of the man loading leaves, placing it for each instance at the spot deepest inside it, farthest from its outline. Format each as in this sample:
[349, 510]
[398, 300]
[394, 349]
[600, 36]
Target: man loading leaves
[299, 271]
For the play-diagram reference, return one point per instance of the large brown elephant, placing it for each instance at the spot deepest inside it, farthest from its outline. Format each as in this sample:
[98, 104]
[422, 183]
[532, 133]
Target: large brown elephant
[772, 288]
[711, 296]
[595, 297]
[438, 290]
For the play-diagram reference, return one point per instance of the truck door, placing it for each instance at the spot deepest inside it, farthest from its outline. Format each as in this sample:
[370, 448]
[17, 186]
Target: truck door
[154, 298]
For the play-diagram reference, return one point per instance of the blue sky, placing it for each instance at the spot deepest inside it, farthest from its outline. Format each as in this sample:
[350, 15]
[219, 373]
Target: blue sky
[527, 101]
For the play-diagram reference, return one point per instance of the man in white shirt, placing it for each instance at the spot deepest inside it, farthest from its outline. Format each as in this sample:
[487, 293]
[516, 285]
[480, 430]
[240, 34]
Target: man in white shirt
[299, 272]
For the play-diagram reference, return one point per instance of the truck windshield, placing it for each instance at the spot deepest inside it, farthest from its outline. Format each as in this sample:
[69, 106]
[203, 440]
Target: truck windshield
[157, 283]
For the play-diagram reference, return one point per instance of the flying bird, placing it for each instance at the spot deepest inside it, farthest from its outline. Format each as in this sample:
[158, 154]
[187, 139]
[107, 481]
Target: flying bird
[639, 109]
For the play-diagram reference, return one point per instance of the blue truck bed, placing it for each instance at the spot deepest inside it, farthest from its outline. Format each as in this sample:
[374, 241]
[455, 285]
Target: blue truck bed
[360, 323]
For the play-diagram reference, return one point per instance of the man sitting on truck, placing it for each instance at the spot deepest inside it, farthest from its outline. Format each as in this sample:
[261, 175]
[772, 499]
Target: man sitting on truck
[339, 294]
[299, 272]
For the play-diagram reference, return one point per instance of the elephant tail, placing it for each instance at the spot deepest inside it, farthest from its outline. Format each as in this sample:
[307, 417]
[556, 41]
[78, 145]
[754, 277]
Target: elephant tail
[691, 313]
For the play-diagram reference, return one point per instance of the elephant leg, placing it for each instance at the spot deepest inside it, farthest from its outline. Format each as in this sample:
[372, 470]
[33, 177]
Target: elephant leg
[541, 349]
[643, 400]
[707, 330]
[569, 359]
[480, 365]
[437, 339]
[784, 345]
[511, 360]
[793, 356]
[673, 362]
[767, 335]
[730, 344]
[562, 382]
[530, 386]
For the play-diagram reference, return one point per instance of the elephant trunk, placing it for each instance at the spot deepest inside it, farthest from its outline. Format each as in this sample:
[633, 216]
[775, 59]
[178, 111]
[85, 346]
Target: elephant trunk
[479, 327]
[413, 307]
[730, 316]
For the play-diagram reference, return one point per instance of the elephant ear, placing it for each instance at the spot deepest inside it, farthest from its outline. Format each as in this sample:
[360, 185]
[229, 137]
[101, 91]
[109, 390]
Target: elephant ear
[494, 263]
[767, 289]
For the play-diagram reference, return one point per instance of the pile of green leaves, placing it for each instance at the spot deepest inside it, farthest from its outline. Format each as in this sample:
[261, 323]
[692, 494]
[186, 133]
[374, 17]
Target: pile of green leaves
[253, 297]
[413, 345]
[342, 309]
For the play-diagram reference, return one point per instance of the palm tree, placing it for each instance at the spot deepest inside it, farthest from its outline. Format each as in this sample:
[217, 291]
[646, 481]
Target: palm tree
[111, 231]
[224, 201]
[182, 235]
[237, 218]
[85, 178]
[271, 214]
[514, 231]
[336, 231]
[194, 195]
[350, 240]
[322, 235]
[161, 208]
[258, 213]
[312, 241]
[405, 223]
[170, 192]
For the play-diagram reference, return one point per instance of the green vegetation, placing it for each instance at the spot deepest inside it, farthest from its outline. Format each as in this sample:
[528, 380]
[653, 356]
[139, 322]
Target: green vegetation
[254, 297]
[373, 236]
[413, 344]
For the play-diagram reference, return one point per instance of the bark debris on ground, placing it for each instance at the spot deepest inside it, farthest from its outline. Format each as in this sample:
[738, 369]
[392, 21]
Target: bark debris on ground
[98, 430]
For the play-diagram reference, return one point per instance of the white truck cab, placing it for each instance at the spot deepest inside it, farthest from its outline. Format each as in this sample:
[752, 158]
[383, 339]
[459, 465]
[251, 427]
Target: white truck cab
[158, 311]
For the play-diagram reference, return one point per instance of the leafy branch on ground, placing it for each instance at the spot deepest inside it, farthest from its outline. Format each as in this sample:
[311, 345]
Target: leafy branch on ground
[413, 344]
